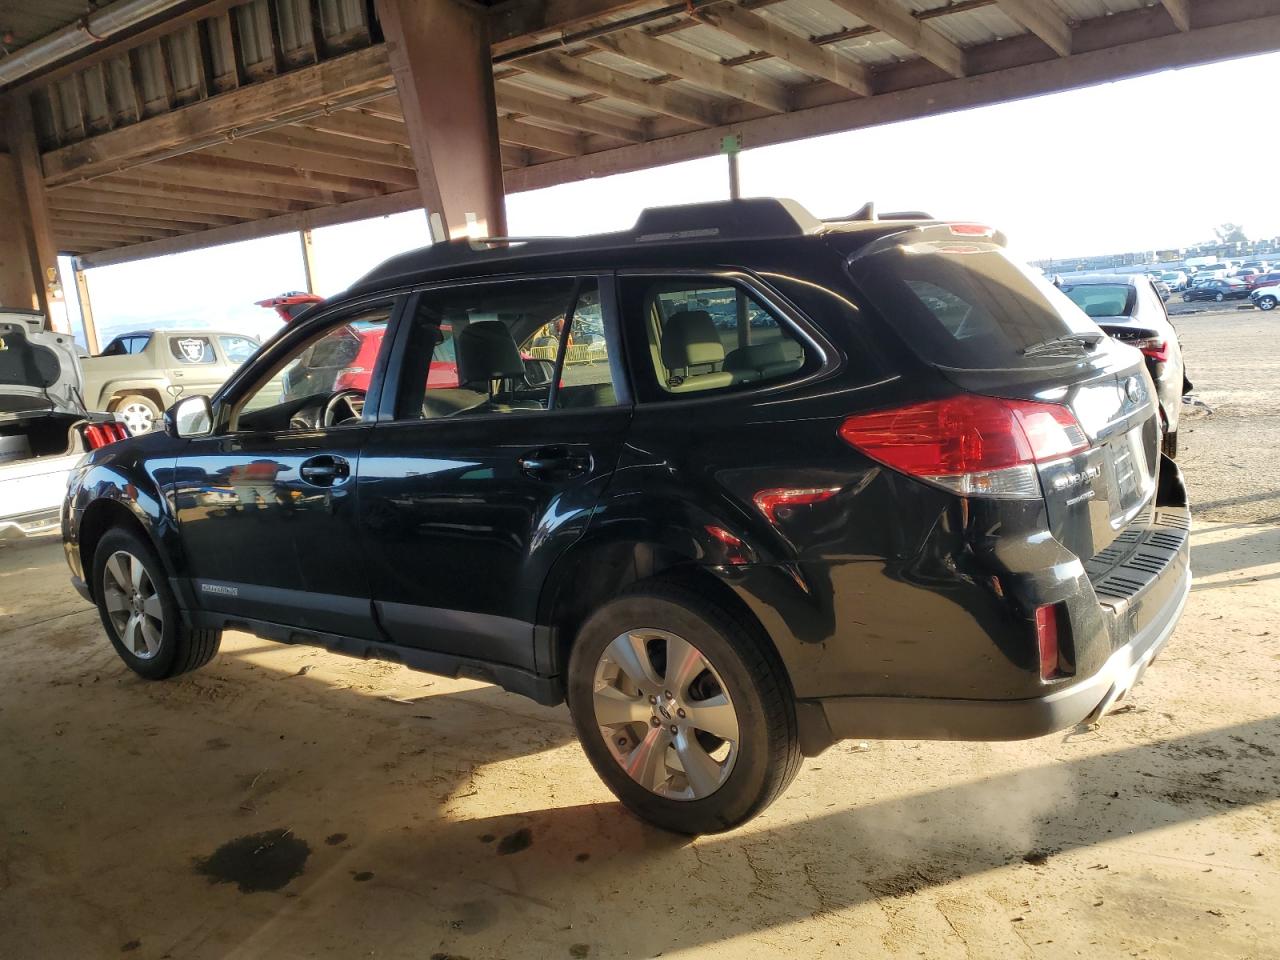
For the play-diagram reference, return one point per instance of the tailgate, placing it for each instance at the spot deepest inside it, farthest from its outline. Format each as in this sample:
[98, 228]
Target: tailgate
[993, 326]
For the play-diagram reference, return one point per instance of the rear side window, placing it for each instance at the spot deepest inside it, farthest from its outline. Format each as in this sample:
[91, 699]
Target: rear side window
[238, 349]
[1102, 299]
[709, 336]
[965, 304]
[191, 349]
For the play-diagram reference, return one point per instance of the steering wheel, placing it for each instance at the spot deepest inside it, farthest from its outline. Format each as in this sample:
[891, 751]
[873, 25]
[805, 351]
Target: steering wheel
[330, 416]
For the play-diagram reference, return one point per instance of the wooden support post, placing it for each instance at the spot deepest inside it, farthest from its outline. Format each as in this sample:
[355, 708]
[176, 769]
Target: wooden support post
[86, 312]
[308, 259]
[17, 283]
[444, 46]
[42, 248]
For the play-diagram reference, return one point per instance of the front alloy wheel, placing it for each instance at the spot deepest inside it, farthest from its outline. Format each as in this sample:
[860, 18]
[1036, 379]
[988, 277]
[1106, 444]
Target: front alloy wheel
[1219, 297]
[665, 714]
[1266, 303]
[133, 605]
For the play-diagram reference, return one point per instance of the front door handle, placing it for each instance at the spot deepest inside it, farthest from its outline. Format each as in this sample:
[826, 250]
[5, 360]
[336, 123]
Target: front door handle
[554, 463]
[324, 470]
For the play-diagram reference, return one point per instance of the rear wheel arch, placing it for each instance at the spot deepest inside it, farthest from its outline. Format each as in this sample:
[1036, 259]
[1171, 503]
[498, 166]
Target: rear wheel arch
[590, 578]
[119, 393]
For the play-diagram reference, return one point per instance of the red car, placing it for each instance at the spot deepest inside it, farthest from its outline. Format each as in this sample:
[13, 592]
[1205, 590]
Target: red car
[344, 359]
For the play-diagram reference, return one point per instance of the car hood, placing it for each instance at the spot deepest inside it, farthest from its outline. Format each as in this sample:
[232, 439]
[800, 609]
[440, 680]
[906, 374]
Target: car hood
[39, 372]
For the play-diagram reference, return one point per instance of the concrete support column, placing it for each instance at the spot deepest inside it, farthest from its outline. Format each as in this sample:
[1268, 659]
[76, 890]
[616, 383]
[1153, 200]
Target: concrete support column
[439, 52]
[42, 249]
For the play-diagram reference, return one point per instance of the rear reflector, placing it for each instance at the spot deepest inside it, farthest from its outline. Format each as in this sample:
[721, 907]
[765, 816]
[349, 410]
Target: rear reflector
[778, 502]
[1047, 638]
[972, 445]
[100, 434]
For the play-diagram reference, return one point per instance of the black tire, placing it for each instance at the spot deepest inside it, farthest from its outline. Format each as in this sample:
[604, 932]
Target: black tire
[180, 648]
[1219, 296]
[1169, 445]
[1266, 303]
[1186, 298]
[768, 751]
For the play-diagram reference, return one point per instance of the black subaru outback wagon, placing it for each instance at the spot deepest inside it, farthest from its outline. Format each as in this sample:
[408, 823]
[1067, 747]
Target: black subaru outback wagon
[735, 484]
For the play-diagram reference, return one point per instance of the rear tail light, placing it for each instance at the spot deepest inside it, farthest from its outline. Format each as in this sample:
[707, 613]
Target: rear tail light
[1047, 640]
[1156, 348]
[971, 230]
[100, 434]
[971, 445]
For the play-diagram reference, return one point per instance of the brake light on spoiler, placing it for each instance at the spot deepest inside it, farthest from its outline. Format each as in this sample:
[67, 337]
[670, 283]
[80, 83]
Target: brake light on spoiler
[971, 445]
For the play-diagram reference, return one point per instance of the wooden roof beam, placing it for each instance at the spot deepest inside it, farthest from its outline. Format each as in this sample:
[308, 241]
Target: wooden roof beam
[192, 172]
[578, 72]
[1179, 13]
[287, 223]
[312, 163]
[700, 71]
[166, 196]
[217, 168]
[361, 126]
[762, 34]
[112, 205]
[1042, 20]
[526, 135]
[336, 145]
[895, 20]
[299, 89]
[568, 114]
[128, 221]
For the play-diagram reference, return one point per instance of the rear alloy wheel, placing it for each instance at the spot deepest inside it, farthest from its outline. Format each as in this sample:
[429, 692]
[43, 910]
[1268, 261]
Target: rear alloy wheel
[683, 708]
[140, 414]
[1266, 303]
[673, 731]
[1186, 298]
[140, 612]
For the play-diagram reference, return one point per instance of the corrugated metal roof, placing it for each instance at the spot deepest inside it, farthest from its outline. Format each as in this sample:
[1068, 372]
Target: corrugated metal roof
[31, 21]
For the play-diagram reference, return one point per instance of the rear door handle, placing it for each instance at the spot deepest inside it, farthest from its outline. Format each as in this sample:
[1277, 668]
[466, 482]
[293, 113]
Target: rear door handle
[324, 470]
[554, 463]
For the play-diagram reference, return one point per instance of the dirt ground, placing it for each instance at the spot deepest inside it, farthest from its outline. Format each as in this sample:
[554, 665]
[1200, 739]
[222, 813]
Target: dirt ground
[285, 802]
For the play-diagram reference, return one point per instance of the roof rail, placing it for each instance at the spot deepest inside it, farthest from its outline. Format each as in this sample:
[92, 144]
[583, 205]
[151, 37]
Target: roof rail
[758, 218]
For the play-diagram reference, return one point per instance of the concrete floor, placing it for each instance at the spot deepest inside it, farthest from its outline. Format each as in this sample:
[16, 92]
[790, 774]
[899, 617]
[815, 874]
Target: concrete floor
[284, 802]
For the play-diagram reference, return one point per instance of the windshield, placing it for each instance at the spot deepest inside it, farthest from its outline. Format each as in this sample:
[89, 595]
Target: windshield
[1102, 299]
[966, 304]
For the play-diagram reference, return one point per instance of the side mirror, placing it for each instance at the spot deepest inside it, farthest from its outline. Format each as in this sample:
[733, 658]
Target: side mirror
[189, 417]
[538, 373]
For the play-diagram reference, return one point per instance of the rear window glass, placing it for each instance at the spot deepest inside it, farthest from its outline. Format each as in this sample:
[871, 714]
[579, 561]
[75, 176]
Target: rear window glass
[1101, 299]
[966, 304]
[191, 349]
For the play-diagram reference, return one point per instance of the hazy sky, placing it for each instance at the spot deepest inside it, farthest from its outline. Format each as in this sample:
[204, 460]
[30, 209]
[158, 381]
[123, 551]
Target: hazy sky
[1123, 166]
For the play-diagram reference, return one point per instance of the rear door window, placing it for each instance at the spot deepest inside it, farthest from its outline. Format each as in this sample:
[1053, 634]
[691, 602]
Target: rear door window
[965, 303]
[706, 335]
[192, 350]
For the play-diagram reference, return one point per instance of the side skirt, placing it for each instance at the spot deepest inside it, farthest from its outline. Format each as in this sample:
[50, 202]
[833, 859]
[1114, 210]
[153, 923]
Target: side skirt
[548, 691]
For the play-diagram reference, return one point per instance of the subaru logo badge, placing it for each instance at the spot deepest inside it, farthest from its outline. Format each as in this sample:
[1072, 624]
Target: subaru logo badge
[1133, 389]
